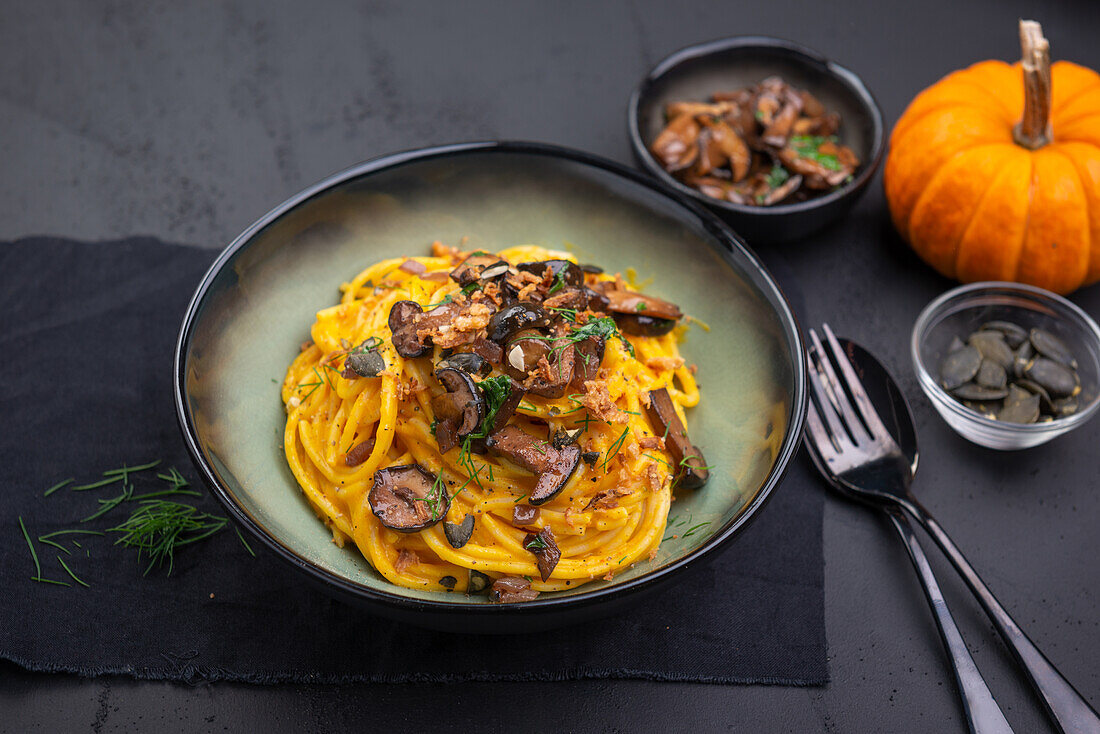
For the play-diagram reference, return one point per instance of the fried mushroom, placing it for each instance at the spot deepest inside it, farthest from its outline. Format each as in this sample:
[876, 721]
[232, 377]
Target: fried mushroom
[407, 498]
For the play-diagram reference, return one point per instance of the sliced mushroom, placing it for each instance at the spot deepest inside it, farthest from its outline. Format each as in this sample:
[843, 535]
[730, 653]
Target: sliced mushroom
[402, 322]
[482, 347]
[460, 410]
[554, 377]
[407, 498]
[478, 582]
[769, 100]
[716, 109]
[630, 302]
[733, 148]
[569, 272]
[779, 130]
[469, 362]
[458, 534]
[511, 589]
[478, 266]
[781, 192]
[676, 147]
[359, 453]
[639, 325]
[588, 355]
[690, 467]
[523, 352]
[546, 551]
[568, 298]
[517, 317]
[525, 515]
[553, 466]
[641, 315]
[368, 363]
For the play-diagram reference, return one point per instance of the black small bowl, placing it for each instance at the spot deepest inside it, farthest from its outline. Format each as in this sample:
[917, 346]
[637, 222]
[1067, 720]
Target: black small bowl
[694, 73]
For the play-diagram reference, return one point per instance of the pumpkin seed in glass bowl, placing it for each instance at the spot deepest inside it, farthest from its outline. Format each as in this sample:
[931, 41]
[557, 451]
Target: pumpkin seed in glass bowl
[1007, 365]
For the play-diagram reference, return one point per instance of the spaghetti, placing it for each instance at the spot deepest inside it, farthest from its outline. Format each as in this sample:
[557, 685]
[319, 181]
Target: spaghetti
[358, 413]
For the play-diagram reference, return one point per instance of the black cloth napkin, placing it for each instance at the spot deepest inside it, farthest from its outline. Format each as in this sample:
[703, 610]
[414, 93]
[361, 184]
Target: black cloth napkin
[87, 333]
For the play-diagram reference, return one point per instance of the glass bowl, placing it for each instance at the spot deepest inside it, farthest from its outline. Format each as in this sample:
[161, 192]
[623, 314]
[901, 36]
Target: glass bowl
[961, 311]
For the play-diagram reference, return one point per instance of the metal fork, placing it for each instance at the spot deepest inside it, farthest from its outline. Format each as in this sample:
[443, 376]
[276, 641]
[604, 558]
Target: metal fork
[865, 454]
[862, 459]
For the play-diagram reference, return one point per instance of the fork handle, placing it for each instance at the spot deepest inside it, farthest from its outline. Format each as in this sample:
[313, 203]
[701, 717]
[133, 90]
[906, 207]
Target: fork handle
[1068, 708]
[983, 714]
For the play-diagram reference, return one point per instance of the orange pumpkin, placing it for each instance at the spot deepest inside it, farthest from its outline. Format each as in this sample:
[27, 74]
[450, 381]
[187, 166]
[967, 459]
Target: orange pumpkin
[994, 171]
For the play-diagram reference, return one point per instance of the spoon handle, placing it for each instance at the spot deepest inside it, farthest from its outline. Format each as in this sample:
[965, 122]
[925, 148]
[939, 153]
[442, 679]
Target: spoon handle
[983, 714]
[1068, 708]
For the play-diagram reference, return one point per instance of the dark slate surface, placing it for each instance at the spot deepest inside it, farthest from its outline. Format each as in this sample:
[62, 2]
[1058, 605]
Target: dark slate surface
[140, 118]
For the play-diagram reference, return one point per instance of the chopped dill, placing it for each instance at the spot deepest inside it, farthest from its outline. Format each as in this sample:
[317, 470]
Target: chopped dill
[158, 528]
[658, 458]
[96, 485]
[244, 542]
[34, 554]
[58, 486]
[613, 449]
[49, 581]
[55, 544]
[559, 282]
[70, 572]
[536, 544]
[125, 471]
[691, 531]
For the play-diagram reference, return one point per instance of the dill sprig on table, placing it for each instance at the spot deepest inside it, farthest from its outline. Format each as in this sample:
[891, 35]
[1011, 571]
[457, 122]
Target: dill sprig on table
[160, 527]
[157, 528]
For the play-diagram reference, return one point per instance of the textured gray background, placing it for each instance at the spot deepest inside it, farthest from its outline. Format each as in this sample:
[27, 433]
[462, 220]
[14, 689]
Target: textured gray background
[189, 120]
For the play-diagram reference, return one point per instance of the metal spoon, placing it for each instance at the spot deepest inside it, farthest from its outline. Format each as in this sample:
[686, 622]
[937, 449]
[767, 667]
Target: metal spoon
[983, 715]
[1068, 709]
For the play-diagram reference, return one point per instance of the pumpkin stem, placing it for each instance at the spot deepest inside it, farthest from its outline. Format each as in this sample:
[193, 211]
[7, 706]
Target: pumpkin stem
[1034, 130]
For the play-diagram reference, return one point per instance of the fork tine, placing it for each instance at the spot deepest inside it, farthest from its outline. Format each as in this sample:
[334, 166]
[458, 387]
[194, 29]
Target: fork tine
[819, 437]
[840, 398]
[866, 409]
[827, 411]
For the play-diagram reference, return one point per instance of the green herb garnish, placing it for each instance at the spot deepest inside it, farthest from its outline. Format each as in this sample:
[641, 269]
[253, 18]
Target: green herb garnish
[158, 528]
[613, 449]
[808, 146]
[640, 307]
[777, 176]
[34, 554]
[536, 544]
[559, 282]
[57, 486]
[70, 572]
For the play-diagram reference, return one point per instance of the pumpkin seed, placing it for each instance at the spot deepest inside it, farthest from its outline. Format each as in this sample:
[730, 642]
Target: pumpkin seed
[973, 391]
[1052, 347]
[1065, 406]
[1045, 403]
[1020, 406]
[992, 346]
[1058, 379]
[960, 367]
[991, 374]
[1008, 373]
[1014, 334]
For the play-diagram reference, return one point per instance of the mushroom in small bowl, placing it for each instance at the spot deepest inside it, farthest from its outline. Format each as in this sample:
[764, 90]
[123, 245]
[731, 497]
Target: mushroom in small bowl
[775, 138]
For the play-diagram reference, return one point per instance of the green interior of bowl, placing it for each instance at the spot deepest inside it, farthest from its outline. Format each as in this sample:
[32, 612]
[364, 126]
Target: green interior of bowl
[258, 310]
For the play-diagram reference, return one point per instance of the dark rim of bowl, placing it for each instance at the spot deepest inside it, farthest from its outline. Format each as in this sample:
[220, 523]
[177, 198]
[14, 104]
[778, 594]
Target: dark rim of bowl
[807, 56]
[399, 602]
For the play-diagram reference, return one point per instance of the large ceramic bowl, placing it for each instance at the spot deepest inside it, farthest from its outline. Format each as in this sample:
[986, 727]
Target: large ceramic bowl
[254, 307]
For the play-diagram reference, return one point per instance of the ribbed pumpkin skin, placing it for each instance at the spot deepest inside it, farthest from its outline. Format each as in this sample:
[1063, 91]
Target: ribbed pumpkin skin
[977, 206]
